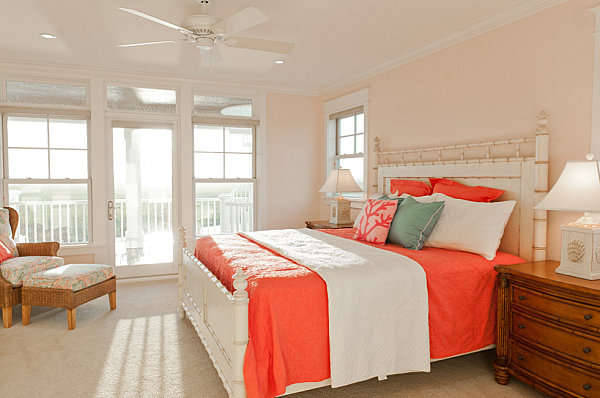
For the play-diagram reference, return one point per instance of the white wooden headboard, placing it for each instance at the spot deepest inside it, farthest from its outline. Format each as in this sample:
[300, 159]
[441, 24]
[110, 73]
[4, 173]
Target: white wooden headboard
[518, 166]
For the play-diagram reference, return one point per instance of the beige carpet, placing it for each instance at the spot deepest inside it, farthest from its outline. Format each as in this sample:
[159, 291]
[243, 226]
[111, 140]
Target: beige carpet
[144, 350]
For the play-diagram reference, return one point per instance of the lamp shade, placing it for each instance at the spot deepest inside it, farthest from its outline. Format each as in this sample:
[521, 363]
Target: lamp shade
[340, 180]
[577, 189]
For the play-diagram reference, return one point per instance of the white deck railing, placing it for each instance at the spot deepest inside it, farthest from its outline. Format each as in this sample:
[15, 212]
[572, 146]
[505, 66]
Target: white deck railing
[67, 221]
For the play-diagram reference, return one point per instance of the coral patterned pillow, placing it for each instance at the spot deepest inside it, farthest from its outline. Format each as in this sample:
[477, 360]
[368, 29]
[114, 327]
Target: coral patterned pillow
[6, 232]
[5, 253]
[374, 225]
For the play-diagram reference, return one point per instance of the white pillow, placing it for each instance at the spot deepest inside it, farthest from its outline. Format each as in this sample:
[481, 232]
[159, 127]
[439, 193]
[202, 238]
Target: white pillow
[374, 196]
[473, 227]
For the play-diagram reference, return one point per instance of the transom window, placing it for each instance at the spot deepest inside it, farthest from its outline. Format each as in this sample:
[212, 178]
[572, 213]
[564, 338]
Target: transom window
[350, 142]
[46, 170]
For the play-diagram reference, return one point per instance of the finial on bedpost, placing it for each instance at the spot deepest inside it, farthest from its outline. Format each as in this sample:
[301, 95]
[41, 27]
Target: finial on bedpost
[240, 284]
[542, 122]
[377, 142]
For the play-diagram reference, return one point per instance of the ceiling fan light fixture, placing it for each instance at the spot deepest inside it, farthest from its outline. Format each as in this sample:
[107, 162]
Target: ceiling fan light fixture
[205, 43]
[48, 35]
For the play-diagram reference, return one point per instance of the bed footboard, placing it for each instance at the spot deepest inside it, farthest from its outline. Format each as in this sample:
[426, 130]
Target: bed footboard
[219, 317]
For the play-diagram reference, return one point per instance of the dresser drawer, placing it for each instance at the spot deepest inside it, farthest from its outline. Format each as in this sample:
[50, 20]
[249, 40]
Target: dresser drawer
[578, 382]
[566, 311]
[584, 348]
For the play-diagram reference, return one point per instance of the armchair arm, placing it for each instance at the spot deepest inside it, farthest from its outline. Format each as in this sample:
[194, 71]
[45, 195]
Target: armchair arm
[38, 249]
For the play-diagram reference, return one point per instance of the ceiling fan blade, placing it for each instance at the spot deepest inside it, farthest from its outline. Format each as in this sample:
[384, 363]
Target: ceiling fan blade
[211, 57]
[273, 46]
[241, 21]
[154, 19]
[146, 43]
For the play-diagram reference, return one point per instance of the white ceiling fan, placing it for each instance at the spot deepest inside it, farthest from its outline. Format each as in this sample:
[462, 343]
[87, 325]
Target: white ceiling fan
[207, 32]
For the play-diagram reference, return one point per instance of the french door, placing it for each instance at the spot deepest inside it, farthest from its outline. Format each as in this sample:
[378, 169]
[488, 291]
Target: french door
[140, 209]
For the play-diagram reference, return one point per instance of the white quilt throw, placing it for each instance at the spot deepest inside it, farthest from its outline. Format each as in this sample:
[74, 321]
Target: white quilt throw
[378, 307]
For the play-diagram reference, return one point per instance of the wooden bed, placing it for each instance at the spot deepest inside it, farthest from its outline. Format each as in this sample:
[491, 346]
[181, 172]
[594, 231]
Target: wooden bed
[518, 166]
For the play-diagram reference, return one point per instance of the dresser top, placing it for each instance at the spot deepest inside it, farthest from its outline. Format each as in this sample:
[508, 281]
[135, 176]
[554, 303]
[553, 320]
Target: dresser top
[544, 272]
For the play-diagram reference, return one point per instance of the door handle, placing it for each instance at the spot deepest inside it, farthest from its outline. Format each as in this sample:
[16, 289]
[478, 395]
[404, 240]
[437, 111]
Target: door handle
[111, 208]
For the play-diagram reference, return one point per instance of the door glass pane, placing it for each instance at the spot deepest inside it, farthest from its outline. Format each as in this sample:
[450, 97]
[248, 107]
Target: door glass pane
[238, 165]
[28, 163]
[28, 132]
[66, 133]
[143, 195]
[238, 139]
[208, 165]
[208, 138]
[68, 163]
[51, 212]
[356, 166]
[223, 208]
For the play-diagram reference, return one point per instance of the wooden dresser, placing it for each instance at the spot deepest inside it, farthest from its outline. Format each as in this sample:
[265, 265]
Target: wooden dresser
[548, 330]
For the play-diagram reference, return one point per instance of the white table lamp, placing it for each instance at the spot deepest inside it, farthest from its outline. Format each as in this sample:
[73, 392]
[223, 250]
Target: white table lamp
[340, 180]
[578, 189]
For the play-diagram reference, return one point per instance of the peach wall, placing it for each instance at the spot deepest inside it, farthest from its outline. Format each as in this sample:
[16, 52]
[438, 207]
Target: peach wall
[492, 86]
[294, 159]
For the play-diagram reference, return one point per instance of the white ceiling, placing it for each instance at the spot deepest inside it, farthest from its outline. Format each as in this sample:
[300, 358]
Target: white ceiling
[336, 40]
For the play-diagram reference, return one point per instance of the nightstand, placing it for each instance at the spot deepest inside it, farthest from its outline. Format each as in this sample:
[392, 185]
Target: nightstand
[325, 224]
[548, 330]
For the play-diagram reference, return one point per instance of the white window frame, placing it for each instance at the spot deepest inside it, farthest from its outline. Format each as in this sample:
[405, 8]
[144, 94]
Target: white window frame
[347, 102]
[226, 122]
[47, 114]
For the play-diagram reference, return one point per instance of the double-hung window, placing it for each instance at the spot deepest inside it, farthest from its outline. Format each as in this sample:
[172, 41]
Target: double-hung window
[350, 142]
[224, 170]
[224, 164]
[46, 176]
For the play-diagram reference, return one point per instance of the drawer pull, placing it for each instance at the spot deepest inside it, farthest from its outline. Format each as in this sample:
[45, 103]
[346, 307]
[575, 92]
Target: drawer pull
[521, 326]
[587, 350]
[521, 357]
[522, 297]
[587, 317]
[586, 387]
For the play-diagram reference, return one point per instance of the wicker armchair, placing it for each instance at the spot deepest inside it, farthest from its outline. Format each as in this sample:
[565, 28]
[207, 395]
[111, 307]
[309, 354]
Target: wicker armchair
[10, 295]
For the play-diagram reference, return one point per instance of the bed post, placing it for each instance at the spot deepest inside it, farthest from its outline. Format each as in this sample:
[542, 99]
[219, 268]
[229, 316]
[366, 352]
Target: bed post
[181, 244]
[540, 217]
[240, 332]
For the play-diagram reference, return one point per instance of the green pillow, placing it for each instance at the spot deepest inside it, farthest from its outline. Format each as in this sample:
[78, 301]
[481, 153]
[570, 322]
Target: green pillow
[413, 222]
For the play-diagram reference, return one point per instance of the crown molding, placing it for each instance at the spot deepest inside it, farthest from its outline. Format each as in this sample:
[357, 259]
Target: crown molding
[446, 40]
[71, 72]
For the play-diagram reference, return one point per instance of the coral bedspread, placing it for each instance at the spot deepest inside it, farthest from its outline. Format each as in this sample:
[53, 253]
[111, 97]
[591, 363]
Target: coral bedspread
[288, 314]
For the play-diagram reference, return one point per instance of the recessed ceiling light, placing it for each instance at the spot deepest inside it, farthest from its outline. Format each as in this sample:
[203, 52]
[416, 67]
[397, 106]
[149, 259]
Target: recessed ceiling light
[279, 61]
[48, 35]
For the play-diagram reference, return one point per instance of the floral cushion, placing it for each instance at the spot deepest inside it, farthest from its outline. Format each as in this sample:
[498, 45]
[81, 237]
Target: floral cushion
[73, 276]
[16, 268]
[6, 232]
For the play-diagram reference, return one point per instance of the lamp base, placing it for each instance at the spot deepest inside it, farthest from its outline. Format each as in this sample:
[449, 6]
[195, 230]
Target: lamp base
[340, 211]
[580, 250]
